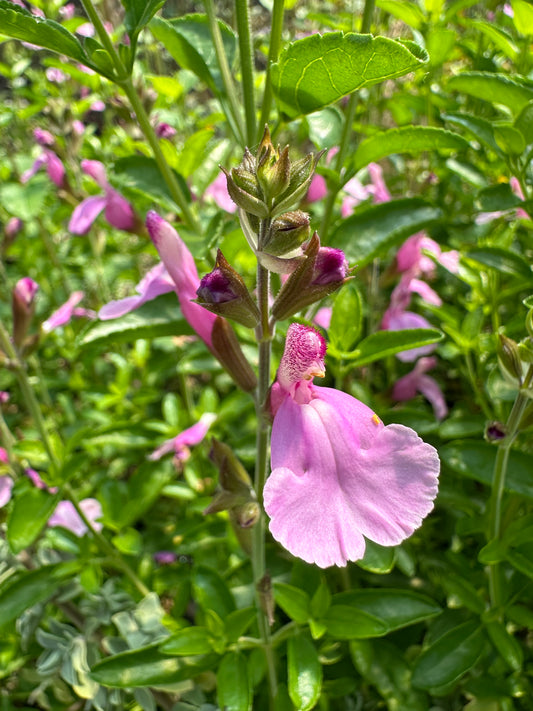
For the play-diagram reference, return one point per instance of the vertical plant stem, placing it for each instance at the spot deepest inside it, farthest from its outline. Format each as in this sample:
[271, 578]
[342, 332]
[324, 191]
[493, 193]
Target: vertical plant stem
[123, 79]
[273, 54]
[242, 13]
[225, 72]
[496, 581]
[349, 116]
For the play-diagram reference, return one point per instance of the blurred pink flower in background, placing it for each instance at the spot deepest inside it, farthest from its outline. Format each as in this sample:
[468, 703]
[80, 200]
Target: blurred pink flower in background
[6, 486]
[338, 474]
[48, 159]
[189, 437]
[155, 282]
[67, 312]
[66, 516]
[218, 190]
[117, 210]
[417, 381]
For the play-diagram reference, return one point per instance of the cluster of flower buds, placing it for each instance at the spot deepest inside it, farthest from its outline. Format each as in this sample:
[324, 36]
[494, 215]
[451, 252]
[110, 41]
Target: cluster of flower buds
[515, 358]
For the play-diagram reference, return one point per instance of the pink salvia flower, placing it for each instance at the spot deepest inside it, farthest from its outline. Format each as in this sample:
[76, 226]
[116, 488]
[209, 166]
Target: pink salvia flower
[65, 515]
[180, 265]
[54, 168]
[411, 258]
[24, 293]
[218, 190]
[407, 387]
[155, 282]
[4, 458]
[189, 437]
[118, 211]
[67, 312]
[36, 480]
[318, 188]
[339, 475]
[6, 485]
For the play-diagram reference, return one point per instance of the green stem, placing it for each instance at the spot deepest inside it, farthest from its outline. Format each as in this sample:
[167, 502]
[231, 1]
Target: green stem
[478, 392]
[242, 13]
[273, 54]
[235, 117]
[496, 580]
[264, 335]
[344, 145]
[123, 79]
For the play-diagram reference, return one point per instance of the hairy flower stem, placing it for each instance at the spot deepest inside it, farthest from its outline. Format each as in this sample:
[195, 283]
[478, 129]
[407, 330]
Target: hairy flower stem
[35, 411]
[344, 145]
[242, 14]
[264, 337]
[123, 79]
[233, 111]
[496, 580]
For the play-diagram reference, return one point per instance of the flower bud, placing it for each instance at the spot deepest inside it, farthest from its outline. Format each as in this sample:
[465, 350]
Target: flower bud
[287, 233]
[525, 350]
[227, 349]
[495, 432]
[244, 191]
[324, 270]
[23, 307]
[301, 174]
[223, 292]
[509, 357]
[273, 168]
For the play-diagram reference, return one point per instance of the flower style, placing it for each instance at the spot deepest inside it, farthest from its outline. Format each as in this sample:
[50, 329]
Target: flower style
[407, 387]
[338, 473]
[118, 211]
[189, 437]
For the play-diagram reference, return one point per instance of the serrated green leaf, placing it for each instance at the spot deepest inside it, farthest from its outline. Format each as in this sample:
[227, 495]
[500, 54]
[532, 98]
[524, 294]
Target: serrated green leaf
[233, 689]
[451, 656]
[475, 460]
[509, 139]
[29, 588]
[315, 71]
[20, 24]
[188, 642]
[407, 139]
[28, 516]
[495, 88]
[385, 343]
[480, 128]
[408, 12]
[372, 231]
[139, 13]
[501, 39]
[304, 672]
[293, 601]
[160, 317]
[188, 40]
[346, 622]
[395, 609]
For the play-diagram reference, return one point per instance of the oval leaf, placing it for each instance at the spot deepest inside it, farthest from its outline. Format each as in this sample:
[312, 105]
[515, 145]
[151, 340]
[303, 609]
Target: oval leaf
[189, 641]
[408, 139]
[28, 516]
[450, 656]
[503, 260]
[496, 88]
[395, 608]
[372, 231]
[232, 683]
[305, 673]
[347, 622]
[211, 592]
[385, 343]
[316, 71]
[293, 601]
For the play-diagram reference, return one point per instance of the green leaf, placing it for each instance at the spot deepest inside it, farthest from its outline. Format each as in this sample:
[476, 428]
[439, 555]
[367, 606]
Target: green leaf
[25, 200]
[29, 588]
[316, 71]
[508, 646]
[139, 13]
[499, 38]
[236, 623]
[524, 122]
[346, 318]
[28, 516]
[509, 139]
[347, 622]
[20, 24]
[498, 197]
[385, 343]
[304, 672]
[523, 16]
[408, 12]
[188, 641]
[480, 128]
[293, 601]
[382, 665]
[140, 175]
[451, 656]
[188, 40]
[325, 127]
[393, 608]
[496, 88]
[233, 689]
[160, 317]
[502, 260]
[475, 460]
[377, 559]
[211, 592]
[439, 44]
[147, 666]
[407, 139]
[372, 231]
